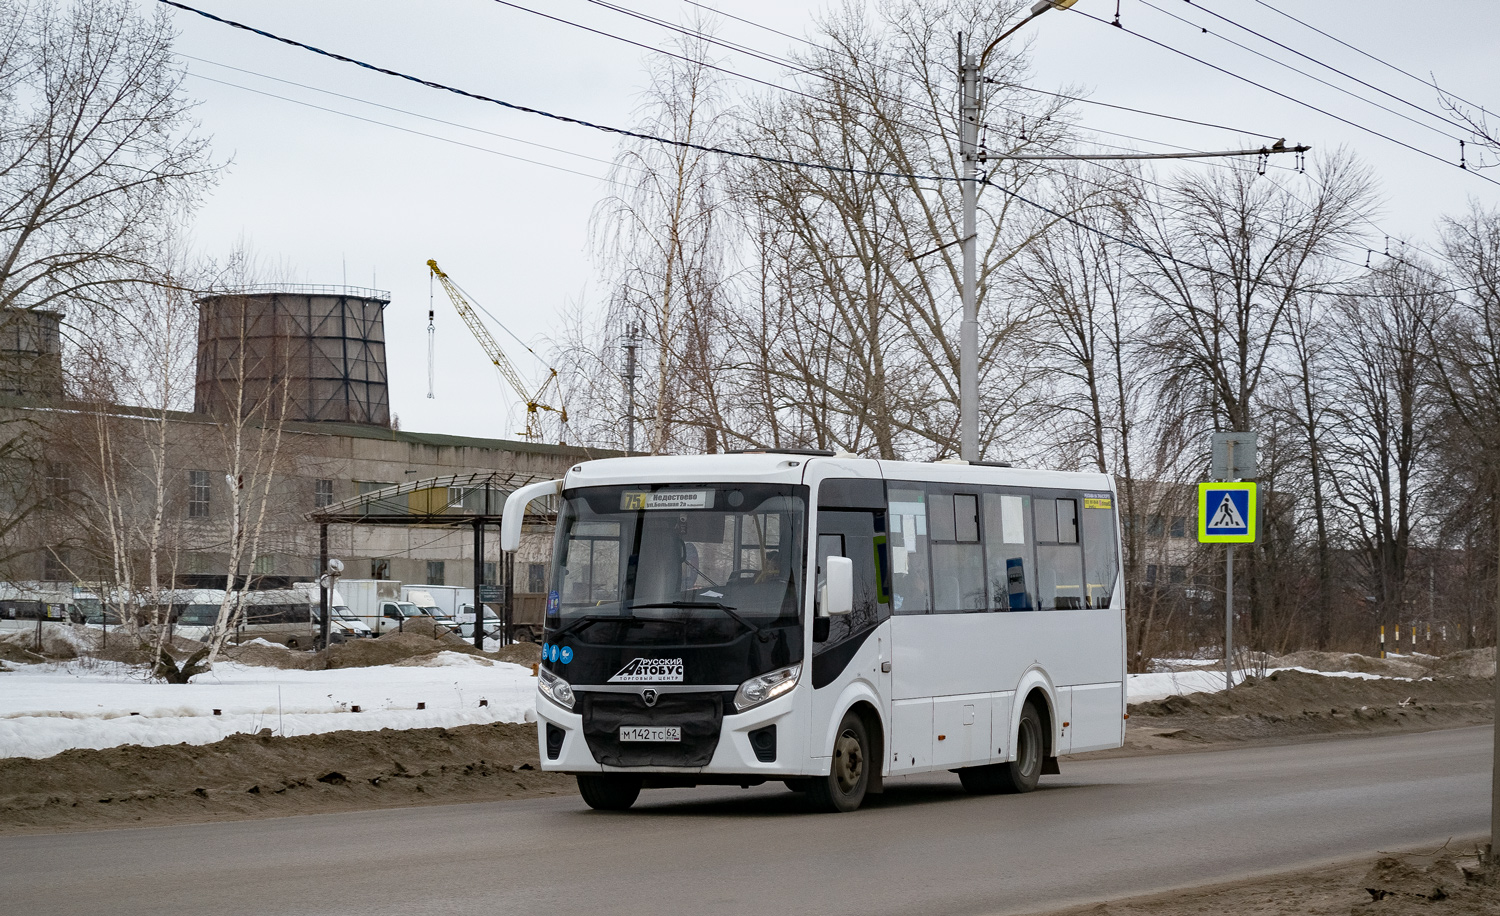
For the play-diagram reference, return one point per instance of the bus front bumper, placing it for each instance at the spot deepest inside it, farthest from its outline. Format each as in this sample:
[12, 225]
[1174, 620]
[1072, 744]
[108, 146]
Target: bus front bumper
[733, 755]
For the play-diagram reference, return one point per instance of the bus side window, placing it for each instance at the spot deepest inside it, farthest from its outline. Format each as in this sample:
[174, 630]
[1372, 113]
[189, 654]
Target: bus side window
[957, 556]
[1101, 559]
[1059, 561]
[1008, 550]
[907, 540]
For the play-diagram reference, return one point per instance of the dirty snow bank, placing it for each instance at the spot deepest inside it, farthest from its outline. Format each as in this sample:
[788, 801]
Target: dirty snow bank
[48, 708]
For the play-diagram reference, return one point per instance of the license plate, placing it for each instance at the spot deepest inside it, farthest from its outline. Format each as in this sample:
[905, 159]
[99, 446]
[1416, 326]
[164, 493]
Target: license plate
[650, 733]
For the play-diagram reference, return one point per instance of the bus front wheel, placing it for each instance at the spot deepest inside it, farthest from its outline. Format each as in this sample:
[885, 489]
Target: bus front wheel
[843, 789]
[609, 791]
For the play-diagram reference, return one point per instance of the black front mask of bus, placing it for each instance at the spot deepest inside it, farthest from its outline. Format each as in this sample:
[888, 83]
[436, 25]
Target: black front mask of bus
[677, 584]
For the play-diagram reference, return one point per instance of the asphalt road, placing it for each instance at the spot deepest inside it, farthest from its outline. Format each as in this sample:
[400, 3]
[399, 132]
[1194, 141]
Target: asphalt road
[1106, 828]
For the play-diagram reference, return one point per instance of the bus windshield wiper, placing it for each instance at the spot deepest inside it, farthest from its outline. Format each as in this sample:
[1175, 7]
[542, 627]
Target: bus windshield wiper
[716, 605]
[578, 623]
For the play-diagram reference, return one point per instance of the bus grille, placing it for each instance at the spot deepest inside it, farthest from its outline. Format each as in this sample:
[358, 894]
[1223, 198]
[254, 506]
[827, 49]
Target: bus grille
[699, 715]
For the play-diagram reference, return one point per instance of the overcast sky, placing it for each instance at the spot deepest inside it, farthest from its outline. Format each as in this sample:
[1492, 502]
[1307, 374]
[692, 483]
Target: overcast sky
[319, 196]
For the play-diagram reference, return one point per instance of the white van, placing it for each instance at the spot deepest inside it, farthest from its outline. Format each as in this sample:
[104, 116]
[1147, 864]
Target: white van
[492, 625]
[23, 604]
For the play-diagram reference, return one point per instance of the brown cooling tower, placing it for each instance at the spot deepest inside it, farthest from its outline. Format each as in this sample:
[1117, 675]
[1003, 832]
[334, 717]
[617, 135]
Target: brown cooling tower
[314, 353]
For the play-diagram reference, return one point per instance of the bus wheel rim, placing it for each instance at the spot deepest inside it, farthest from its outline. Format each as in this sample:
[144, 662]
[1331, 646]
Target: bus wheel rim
[1027, 758]
[848, 762]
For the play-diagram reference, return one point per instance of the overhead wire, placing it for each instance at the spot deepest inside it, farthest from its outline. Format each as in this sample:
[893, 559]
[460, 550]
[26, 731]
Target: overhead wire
[392, 108]
[1281, 63]
[655, 50]
[566, 119]
[408, 130]
[1379, 60]
[1327, 66]
[1060, 95]
[1290, 98]
[733, 153]
[1212, 271]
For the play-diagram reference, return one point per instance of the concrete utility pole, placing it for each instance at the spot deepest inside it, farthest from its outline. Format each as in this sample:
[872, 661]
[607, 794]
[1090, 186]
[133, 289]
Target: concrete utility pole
[969, 81]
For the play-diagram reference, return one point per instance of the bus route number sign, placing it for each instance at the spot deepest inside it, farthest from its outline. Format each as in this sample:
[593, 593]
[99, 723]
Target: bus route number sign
[1226, 513]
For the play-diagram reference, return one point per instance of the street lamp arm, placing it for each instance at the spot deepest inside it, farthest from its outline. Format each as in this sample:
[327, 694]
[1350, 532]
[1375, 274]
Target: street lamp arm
[1037, 9]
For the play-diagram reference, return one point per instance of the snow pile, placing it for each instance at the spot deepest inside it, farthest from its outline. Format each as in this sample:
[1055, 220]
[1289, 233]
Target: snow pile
[45, 709]
[1142, 688]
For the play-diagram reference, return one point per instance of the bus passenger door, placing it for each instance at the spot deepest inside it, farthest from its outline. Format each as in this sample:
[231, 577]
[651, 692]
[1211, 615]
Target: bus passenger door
[855, 647]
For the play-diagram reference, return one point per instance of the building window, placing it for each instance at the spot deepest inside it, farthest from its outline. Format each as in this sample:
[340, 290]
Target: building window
[370, 486]
[1178, 574]
[1156, 526]
[265, 564]
[380, 569]
[1151, 569]
[491, 569]
[322, 493]
[1179, 526]
[57, 485]
[197, 494]
[435, 572]
[54, 566]
[536, 577]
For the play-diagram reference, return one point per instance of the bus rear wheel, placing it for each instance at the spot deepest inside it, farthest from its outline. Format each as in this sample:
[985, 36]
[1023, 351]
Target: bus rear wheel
[843, 789]
[609, 791]
[1019, 775]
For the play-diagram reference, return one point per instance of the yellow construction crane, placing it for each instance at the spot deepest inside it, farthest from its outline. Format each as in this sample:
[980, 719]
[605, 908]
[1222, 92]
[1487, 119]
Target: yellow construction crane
[534, 402]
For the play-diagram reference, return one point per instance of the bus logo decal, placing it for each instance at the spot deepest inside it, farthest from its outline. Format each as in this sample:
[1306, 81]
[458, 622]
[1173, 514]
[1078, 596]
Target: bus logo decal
[658, 670]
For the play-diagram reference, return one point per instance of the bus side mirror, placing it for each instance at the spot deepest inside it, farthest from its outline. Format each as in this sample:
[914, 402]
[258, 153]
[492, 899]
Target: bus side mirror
[840, 586]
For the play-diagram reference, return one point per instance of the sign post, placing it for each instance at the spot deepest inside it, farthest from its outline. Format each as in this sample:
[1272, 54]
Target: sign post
[1226, 515]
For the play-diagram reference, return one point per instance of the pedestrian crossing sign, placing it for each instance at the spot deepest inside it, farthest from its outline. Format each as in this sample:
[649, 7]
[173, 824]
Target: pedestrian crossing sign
[1226, 513]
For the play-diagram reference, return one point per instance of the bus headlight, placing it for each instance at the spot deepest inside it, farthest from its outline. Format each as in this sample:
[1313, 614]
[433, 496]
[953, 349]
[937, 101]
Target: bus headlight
[555, 688]
[765, 688]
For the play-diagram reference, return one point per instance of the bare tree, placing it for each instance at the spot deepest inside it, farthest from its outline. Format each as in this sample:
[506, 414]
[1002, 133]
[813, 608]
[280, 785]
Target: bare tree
[661, 234]
[97, 157]
[1384, 411]
[869, 264]
[1225, 256]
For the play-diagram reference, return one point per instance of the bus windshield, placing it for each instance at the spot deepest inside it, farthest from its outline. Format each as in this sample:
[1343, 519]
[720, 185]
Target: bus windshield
[678, 564]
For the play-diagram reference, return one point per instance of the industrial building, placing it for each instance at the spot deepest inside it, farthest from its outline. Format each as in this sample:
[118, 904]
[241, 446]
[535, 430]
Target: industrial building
[291, 412]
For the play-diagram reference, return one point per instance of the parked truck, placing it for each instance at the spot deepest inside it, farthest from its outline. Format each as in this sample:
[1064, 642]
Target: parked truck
[378, 603]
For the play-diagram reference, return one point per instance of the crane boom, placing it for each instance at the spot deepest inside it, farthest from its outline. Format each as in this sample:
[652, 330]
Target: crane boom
[497, 356]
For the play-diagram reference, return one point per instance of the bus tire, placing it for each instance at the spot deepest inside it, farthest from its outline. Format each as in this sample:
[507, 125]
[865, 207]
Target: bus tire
[1021, 774]
[609, 791]
[843, 789]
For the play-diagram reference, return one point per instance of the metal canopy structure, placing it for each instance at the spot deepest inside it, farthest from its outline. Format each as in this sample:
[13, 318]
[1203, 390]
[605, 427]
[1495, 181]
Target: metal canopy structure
[453, 501]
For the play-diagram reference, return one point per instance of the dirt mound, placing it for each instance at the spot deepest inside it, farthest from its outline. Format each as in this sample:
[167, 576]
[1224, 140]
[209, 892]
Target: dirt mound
[415, 642]
[1441, 886]
[1407, 885]
[58, 641]
[1468, 663]
[256, 775]
[522, 653]
[1350, 661]
[1291, 704]
[263, 654]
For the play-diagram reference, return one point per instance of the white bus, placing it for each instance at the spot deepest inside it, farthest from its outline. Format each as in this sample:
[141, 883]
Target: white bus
[827, 621]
